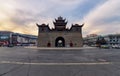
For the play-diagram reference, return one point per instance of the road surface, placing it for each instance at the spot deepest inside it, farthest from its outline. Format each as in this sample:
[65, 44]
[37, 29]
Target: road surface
[22, 61]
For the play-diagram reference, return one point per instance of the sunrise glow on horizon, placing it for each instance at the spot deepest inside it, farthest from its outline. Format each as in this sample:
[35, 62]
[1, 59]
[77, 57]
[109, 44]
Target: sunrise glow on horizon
[99, 16]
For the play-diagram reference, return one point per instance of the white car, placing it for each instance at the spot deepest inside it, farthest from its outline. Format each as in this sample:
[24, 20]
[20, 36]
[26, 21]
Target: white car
[116, 46]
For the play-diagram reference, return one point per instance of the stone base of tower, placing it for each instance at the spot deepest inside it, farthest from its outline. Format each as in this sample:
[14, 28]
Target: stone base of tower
[57, 39]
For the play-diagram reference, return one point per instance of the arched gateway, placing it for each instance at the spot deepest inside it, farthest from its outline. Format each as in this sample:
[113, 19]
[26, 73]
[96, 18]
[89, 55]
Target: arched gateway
[60, 35]
[60, 42]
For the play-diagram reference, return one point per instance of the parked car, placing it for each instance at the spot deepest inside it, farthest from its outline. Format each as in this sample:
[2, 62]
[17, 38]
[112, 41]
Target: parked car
[10, 45]
[116, 46]
[106, 46]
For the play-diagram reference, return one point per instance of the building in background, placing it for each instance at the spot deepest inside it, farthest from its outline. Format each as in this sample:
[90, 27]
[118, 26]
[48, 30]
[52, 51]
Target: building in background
[10, 38]
[5, 38]
[24, 39]
[60, 36]
[111, 39]
[91, 39]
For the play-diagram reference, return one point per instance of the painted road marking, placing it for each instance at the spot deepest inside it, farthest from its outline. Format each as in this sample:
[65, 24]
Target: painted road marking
[60, 48]
[26, 63]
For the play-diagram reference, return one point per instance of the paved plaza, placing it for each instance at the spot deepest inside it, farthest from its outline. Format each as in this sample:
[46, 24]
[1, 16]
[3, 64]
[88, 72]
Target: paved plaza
[32, 61]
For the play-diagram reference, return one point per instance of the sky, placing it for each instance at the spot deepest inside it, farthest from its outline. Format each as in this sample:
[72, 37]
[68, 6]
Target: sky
[100, 17]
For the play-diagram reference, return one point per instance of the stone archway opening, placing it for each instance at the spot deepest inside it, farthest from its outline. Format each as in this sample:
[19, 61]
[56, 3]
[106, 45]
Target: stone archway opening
[60, 42]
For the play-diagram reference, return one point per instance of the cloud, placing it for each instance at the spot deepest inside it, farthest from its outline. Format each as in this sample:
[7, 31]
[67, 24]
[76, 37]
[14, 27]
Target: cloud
[67, 2]
[22, 15]
[105, 18]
